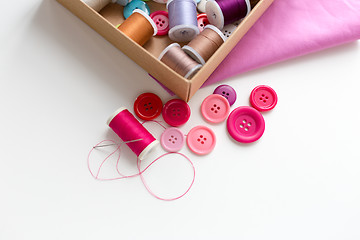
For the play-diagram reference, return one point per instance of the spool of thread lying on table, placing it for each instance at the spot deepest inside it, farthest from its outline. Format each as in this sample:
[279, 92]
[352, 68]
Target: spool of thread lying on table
[131, 131]
[182, 20]
[139, 27]
[204, 45]
[97, 5]
[223, 12]
[179, 61]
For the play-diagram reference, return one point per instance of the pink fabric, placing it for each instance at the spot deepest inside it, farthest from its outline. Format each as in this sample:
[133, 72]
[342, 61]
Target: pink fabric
[291, 28]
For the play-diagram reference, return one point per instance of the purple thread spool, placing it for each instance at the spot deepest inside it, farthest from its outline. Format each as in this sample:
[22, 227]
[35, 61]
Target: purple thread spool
[224, 12]
[182, 20]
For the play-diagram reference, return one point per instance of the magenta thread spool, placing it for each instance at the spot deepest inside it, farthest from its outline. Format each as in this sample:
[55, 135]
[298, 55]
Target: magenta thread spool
[130, 130]
[182, 20]
[224, 12]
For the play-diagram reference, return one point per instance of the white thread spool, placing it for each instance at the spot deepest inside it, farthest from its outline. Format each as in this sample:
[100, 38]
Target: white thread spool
[97, 5]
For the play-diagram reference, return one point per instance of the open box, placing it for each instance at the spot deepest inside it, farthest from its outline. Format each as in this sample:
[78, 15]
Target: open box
[105, 23]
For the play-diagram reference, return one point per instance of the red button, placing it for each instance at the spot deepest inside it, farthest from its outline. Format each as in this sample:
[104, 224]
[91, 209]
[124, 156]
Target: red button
[161, 19]
[148, 106]
[176, 112]
[263, 98]
[202, 21]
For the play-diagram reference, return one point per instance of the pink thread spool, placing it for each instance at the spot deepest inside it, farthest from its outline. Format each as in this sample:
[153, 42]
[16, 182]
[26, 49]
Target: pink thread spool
[128, 128]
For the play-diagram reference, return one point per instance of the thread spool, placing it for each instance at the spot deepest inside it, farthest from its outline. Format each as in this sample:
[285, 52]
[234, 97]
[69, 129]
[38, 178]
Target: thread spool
[128, 128]
[97, 5]
[139, 27]
[179, 61]
[204, 45]
[182, 20]
[223, 12]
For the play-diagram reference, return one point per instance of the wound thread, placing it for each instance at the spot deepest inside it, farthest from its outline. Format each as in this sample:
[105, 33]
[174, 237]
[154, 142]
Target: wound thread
[205, 44]
[174, 57]
[139, 27]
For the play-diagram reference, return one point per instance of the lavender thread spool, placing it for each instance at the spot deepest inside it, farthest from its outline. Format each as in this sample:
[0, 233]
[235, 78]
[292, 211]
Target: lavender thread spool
[175, 58]
[182, 20]
[205, 44]
[224, 12]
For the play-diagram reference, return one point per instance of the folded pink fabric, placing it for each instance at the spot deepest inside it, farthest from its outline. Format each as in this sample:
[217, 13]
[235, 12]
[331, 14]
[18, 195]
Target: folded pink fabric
[291, 28]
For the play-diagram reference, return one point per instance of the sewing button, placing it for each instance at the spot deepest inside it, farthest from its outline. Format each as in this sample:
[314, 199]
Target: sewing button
[148, 106]
[201, 140]
[263, 98]
[202, 21]
[161, 19]
[176, 112]
[215, 108]
[227, 92]
[172, 139]
[135, 4]
[245, 124]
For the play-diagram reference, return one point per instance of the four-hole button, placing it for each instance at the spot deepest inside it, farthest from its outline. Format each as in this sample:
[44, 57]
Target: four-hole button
[215, 108]
[263, 98]
[148, 106]
[201, 140]
[176, 112]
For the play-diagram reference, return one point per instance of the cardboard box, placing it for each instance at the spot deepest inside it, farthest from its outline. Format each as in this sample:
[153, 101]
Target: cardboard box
[105, 21]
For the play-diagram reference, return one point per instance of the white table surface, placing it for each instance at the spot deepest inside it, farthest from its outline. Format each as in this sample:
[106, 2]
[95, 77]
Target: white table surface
[60, 81]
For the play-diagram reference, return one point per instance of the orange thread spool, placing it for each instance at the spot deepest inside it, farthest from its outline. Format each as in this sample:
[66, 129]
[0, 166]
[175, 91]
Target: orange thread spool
[139, 27]
[204, 45]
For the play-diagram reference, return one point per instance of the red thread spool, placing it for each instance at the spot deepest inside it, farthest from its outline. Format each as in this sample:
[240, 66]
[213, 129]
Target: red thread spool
[130, 130]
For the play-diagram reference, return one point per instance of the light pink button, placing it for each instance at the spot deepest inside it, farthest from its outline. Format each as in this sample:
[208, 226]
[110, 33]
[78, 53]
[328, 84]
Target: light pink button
[215, 108]
[263, 98]
[201, 140]
[172, 139]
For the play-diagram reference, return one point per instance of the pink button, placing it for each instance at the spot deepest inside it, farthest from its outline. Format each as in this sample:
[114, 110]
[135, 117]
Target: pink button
[201, 140]
[215, 108]
[263, 98]
[172, 139]
[176, 112]
[202, 21]
[245, 124]
[161, 19]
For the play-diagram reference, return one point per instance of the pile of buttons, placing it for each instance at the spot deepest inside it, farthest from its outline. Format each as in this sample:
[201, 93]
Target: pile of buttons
[245, 124]
[161, 18]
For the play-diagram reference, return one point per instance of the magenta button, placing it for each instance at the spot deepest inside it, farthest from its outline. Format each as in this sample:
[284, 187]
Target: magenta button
[172, 139]
[263, 98]
[245, 124]
[161, 19]
[227, 92]
[176, 112]
[201, 140]
[215, 108]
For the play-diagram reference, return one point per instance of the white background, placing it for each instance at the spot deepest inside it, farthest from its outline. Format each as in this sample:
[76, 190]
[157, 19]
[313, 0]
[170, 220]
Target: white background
[60, 81]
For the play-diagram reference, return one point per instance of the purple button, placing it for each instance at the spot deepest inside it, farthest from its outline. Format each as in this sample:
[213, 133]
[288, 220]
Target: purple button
[172, 139]
[176, 112]
[227, 92]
